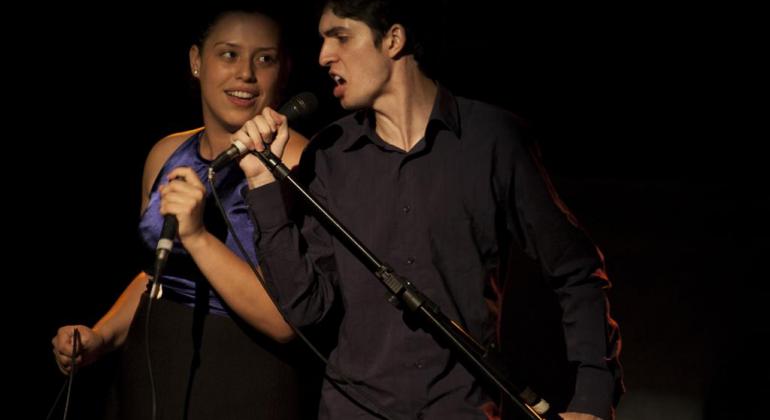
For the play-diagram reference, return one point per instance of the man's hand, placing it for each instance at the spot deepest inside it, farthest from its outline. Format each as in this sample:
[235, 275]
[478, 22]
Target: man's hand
[578, 416]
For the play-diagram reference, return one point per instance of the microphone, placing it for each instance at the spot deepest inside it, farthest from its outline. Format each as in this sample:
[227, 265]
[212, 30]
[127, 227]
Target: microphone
[165, 244]
[301, 105]
[162, 251]
[167, 234]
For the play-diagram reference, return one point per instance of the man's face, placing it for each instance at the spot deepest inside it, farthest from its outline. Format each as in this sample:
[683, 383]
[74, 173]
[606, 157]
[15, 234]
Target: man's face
[359, 68]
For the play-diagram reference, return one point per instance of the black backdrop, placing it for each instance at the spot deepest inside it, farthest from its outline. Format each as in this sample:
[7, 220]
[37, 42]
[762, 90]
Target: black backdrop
[642, 113]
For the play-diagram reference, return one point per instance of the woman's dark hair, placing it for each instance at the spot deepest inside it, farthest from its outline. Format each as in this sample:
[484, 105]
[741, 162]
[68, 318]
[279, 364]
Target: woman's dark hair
[209, 16]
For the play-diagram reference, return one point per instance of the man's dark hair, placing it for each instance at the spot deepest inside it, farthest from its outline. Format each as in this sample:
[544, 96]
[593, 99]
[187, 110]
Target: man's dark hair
[380, 15]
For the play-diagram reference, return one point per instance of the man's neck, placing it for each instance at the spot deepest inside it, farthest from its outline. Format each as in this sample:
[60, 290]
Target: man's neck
[402, 111]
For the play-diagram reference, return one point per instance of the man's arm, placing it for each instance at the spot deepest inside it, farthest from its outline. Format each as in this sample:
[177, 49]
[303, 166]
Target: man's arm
[574, 268]
[303, 283]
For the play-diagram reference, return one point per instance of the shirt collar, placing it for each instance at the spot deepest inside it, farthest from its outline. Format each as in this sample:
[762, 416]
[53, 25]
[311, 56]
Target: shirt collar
[444, 113]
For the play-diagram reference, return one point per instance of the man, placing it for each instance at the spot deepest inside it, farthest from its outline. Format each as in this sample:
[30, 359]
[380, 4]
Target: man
[440, 188]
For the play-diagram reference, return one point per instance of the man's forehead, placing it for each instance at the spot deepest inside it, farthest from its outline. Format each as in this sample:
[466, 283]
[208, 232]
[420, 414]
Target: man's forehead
[331, 23]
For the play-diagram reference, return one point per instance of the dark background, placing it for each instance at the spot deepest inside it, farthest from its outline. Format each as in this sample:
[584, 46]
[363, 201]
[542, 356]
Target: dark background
[644, 115]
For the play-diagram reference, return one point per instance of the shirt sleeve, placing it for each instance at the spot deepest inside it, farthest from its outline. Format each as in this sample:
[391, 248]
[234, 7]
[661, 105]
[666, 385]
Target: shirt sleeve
[298, 265]
[573, 267]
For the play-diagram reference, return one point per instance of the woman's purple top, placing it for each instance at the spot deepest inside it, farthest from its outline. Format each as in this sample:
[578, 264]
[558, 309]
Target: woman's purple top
[182, 280]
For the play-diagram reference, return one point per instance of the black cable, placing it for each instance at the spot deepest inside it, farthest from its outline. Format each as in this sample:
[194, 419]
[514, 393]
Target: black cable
[147, 347]
[374, 408]
[69, 380]
[155, 292]
[56, 401]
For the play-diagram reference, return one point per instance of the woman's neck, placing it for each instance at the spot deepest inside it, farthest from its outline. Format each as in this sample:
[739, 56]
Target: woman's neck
[213, 142]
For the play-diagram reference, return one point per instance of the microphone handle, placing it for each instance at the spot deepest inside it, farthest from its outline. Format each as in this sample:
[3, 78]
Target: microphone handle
[167, 234]
[165, 245]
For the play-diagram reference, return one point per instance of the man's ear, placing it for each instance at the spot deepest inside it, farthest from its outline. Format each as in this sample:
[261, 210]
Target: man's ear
[394, 40]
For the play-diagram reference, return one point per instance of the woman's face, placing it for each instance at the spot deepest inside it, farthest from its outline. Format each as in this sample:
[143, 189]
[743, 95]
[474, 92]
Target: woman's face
[239, 68]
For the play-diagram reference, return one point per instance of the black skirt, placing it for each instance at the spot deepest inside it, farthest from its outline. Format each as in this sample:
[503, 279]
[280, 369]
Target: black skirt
[205, 367]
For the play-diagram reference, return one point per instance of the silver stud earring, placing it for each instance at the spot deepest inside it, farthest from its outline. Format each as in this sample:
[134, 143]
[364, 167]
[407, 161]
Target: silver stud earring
[195, 72]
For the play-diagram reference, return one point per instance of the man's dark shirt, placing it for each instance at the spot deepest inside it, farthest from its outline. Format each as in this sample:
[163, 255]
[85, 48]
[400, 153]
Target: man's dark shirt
[444, 215]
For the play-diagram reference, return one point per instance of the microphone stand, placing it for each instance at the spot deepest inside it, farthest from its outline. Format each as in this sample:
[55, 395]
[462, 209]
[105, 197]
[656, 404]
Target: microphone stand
[405, 295]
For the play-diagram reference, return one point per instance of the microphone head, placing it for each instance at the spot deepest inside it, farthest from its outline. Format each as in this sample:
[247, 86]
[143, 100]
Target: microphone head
[301, 105]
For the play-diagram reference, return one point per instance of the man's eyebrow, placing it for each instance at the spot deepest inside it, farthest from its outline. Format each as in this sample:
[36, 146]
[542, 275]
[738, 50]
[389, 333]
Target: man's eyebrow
[333, 31]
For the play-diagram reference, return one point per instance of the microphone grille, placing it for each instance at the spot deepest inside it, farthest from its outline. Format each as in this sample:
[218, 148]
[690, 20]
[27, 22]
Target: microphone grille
[301, 105]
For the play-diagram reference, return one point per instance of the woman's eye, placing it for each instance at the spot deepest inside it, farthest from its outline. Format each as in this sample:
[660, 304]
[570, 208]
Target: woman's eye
[267, 60]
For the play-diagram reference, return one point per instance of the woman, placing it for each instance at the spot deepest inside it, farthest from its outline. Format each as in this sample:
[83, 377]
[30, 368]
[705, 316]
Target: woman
[214, 332]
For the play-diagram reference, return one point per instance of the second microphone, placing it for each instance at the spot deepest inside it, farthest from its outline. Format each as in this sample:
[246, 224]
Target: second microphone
[301, 105]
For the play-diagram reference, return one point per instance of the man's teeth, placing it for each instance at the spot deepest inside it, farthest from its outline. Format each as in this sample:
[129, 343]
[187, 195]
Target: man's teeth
[241, 94]
[338, 79]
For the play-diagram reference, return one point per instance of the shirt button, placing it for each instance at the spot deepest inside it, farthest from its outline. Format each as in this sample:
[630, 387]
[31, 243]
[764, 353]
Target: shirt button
[410, 260]
[406, 209]
[419, 365]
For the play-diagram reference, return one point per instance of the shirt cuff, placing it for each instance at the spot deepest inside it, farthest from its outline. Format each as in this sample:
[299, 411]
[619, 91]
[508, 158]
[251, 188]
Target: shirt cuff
[594, 391]
[267, 206]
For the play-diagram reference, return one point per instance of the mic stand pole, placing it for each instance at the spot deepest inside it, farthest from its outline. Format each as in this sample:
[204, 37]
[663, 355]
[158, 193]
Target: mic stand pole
[405, 295]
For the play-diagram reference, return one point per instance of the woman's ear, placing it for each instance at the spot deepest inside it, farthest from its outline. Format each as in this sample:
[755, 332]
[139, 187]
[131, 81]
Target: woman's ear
[195, 60]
